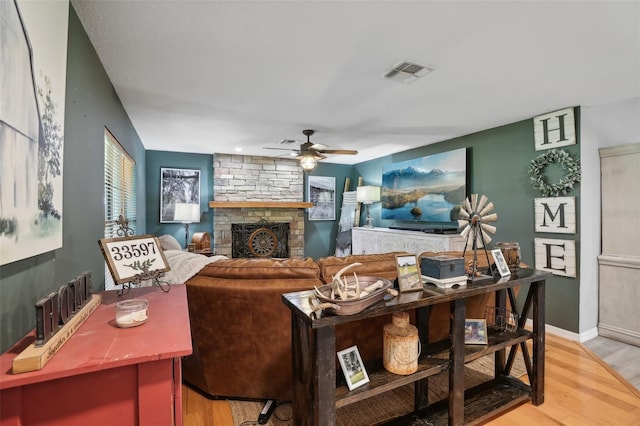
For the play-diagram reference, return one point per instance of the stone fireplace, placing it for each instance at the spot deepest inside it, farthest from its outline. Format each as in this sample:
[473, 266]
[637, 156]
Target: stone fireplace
[269, 186]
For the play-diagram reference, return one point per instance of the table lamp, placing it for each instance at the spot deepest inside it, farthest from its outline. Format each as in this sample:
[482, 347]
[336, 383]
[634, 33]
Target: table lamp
[186, 213]
[368, 195]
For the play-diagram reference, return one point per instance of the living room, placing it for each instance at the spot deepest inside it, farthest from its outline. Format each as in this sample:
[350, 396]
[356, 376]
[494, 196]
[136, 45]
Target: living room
[499, 158]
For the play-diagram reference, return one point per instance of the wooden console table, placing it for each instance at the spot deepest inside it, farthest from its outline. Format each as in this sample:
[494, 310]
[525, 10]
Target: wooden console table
[105, 375]
[316, 396]
[383, 240]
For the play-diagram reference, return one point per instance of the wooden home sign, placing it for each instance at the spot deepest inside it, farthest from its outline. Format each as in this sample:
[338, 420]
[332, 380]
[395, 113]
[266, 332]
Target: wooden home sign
[556, 214]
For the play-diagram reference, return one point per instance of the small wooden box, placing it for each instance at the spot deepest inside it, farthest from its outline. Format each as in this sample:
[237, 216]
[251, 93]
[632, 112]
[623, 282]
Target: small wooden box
[442, 267]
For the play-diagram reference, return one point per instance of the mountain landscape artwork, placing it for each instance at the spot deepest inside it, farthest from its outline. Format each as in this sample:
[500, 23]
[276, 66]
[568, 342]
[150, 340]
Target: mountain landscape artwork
[426, 189]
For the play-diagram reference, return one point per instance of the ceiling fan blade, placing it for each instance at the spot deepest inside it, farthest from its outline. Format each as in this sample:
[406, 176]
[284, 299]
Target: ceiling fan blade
[281, 149]
[338, 151]
[318, 146]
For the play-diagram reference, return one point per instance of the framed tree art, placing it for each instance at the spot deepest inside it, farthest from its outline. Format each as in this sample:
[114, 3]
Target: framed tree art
[322, 193]
[177, 186]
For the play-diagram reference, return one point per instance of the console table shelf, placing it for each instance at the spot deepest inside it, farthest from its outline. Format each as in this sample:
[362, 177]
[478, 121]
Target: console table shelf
[316, 396]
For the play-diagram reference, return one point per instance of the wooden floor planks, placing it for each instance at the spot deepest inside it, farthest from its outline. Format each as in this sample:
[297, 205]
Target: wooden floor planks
[580, 390]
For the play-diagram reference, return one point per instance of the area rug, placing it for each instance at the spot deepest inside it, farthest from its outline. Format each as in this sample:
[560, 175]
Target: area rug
[381, 408]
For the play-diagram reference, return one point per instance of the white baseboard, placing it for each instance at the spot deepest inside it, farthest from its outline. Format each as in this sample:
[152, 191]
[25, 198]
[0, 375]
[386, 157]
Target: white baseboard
[566, 334]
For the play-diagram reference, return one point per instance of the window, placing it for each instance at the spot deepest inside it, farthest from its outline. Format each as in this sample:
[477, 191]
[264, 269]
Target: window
[119, 191]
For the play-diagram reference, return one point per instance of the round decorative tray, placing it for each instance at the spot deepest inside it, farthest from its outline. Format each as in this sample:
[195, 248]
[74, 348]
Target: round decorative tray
[353, 306]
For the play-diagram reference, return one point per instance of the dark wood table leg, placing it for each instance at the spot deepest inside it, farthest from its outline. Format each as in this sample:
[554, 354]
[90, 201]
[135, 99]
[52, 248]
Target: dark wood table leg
[314, 374]
[500, 317]
[325, 365]
[537, 384]
[456, 362]
[421, 398]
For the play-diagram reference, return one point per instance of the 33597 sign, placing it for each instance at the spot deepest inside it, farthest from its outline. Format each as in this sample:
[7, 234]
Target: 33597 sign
[130, 256]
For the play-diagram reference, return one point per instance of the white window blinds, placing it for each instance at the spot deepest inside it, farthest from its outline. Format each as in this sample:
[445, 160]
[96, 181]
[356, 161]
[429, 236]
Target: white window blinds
[119, 186]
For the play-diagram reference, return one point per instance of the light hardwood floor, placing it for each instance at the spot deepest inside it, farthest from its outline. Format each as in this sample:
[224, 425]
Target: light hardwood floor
[580, 390]
[622, 357]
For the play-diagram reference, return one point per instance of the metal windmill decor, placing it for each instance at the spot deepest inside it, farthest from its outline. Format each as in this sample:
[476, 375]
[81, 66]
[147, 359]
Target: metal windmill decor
[473, 227]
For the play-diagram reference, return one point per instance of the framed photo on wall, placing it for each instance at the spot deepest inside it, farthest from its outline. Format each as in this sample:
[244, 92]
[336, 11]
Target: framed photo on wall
[352, 367]
[409, 278]
[321, 191]
[177, 186]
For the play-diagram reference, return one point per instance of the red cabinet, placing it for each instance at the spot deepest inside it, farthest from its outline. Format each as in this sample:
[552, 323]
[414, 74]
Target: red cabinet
[106, 375]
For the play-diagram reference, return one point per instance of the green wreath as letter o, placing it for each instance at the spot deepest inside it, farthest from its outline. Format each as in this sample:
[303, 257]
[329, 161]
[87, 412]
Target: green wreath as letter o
[564, 185]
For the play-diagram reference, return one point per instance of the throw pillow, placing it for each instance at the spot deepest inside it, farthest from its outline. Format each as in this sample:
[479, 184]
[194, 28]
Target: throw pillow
[168, 242]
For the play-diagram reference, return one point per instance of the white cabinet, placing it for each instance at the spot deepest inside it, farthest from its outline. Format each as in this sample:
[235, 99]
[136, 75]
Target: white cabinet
[384, 240]
[619, 262]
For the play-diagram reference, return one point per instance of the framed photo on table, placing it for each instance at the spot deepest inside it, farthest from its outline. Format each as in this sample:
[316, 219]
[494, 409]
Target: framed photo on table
[352, 367]
[409, 278]
[500, 262]
[475, 332]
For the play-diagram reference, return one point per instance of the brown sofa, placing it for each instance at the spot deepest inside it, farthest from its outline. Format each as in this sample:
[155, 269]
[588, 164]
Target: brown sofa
[241, 329]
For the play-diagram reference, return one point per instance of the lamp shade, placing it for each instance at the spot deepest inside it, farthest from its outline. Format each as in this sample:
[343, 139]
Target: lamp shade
[186, 212]
[368, 194]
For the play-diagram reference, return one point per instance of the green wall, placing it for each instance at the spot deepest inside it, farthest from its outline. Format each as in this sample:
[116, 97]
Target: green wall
[155, 160]
[91, 104]
[320, 235]
[499, 165]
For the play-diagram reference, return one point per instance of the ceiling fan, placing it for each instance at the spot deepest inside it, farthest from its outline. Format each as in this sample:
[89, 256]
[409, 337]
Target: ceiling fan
[309, 152]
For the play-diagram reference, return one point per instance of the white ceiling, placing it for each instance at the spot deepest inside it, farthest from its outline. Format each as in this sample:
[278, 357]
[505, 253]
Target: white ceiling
[212, 76]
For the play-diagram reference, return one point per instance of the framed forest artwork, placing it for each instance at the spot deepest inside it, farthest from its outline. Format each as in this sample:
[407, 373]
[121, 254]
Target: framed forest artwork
[177, 186]
[33, 42]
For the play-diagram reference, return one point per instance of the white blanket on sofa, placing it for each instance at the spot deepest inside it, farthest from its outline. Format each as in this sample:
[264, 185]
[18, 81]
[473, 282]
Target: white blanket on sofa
[184, 265]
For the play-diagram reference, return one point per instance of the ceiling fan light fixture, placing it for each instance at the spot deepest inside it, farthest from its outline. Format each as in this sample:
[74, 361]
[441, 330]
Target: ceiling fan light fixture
[308, 162]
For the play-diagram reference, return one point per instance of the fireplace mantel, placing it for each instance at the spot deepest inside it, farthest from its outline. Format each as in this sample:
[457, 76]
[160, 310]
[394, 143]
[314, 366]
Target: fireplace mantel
[260, 204]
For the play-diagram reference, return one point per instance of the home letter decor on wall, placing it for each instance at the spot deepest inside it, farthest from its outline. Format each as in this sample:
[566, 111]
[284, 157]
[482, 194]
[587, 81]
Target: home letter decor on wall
[33, 42]
[555, 213]
[556, 256]
[554, 129]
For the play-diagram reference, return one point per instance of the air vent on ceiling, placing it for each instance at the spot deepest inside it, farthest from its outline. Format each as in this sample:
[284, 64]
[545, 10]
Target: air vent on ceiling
[288, 142]
[407, 72]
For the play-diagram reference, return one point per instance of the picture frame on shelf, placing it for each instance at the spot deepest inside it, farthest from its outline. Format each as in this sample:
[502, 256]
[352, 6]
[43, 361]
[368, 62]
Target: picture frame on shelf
[500, 262]
[352, 367]
[409, 278]
[475, 332]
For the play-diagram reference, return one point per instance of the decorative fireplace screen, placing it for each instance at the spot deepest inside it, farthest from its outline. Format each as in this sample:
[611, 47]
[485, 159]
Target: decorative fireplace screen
[260, 239]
